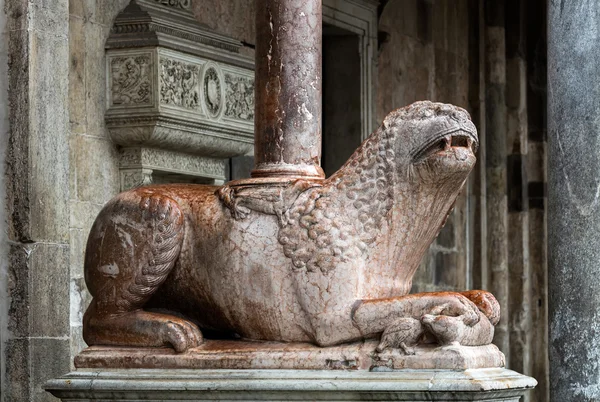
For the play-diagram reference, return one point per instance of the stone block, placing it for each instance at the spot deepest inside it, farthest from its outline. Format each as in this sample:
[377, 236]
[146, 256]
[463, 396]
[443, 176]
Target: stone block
[83, 9]
[38, 290]
[49, 358]
[95, 77]
[17, 156]
[73, 166]
[83, 215]
[80, 300]
[77, 244]
[30, 362]
[104, 12]
[298, 385]
[251, 355]
[18, 290]
[234, 18]
[77, 342]
[410, 19]
[49, 17]
[48, 169]
[49, 284]
[462, 27]
[77, 81]
[16, 12]
[17, 358]
[96, 169]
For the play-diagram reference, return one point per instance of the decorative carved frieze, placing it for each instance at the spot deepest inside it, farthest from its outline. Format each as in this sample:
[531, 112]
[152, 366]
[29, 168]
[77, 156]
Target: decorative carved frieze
[141, 166]
[185, 4]
[131, 79]
[239, 97]
[178, 83]
[181, 98]
[197, 105]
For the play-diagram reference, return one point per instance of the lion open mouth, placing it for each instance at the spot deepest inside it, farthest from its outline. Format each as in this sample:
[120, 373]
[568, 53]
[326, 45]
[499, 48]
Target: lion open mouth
[442, 145]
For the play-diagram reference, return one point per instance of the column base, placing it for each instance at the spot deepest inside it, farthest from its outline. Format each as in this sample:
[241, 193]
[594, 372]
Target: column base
[495, 384]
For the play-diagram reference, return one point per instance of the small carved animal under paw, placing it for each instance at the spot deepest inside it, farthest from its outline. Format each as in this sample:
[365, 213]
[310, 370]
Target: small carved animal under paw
[402, 334]
[456, 331]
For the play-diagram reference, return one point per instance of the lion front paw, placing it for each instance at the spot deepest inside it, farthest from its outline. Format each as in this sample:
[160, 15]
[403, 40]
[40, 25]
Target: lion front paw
[141, 329]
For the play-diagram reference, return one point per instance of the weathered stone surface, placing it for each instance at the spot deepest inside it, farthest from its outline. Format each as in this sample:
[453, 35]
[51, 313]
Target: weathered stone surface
[38, 152]
[83, 214]
[37, 181]
[47, 360]
[96, 162]
[49, 298]
[220, 354]
[300, 385]
[234, 18]
[94, 68]
[77, 77]
[16, 382]
[573, 196]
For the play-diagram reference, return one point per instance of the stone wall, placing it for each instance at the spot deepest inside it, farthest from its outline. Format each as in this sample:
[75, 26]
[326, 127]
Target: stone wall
[425, 55]
[94, 173]
[36, 337]
[4, 132]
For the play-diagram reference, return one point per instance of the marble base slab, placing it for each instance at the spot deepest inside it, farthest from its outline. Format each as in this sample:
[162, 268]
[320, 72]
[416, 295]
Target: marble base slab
[290, 385]
[235, 354]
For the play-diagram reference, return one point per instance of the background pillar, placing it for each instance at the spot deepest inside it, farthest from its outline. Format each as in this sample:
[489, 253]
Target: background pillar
[573, 199]
[495, 164]
[35, 243]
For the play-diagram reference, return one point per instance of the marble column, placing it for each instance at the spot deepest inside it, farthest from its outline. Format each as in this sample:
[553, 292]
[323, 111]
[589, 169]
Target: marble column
[573, 199]
[288, 89]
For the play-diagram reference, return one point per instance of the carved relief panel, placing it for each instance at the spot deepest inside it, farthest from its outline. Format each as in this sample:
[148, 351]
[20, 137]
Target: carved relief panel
[175, 87]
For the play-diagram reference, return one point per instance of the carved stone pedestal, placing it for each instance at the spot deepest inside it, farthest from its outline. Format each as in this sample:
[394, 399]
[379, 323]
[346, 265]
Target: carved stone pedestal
[275, 371]
[291, 385]
[234, 354]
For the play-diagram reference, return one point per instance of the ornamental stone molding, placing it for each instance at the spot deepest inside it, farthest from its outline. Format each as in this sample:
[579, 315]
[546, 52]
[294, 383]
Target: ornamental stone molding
[176, 87]
[141, 166]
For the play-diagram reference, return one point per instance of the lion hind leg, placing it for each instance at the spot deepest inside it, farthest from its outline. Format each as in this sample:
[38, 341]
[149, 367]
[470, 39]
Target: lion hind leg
[132, 249]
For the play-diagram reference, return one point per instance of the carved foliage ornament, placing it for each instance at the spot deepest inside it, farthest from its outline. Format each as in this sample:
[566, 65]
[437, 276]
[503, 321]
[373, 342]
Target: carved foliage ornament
[239, 97]
[174, 161]
[185, 4]
[131, 80]
[178, 83]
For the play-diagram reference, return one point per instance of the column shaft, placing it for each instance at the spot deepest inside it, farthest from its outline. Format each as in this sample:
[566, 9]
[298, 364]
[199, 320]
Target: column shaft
[573, 199]
[288, 88]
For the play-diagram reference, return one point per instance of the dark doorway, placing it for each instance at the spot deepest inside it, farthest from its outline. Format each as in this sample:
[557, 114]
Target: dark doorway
[341, 97]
